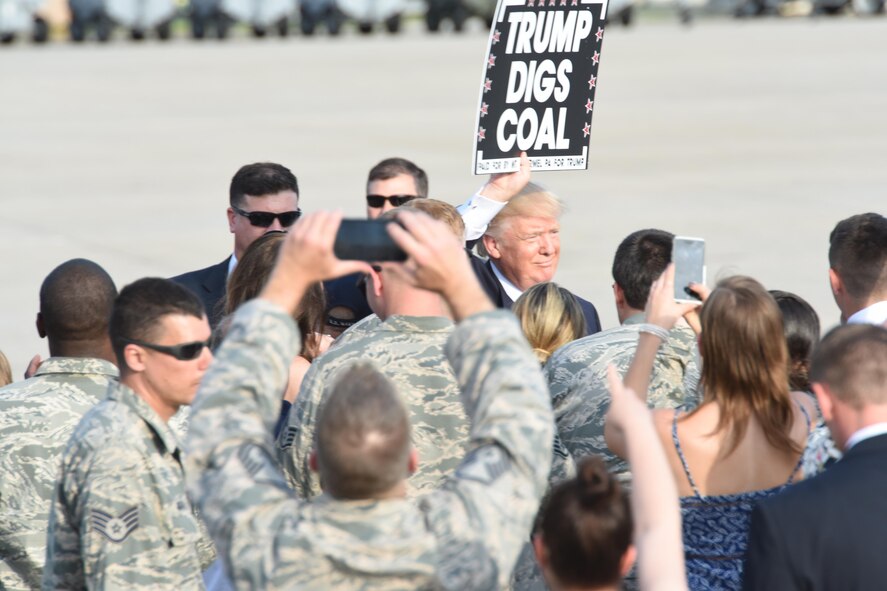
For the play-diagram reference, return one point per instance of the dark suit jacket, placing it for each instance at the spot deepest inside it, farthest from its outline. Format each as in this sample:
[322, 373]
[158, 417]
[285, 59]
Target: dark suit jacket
[494, 289]
[209, 285]
[828, 533]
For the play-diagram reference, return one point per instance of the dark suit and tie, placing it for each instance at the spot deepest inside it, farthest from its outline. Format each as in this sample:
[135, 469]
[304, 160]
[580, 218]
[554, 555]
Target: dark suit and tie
[828, 533]
[209, 285]
[497, 293]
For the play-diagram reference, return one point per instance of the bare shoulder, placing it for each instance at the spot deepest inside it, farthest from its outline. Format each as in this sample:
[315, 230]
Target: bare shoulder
[806, 402]
[662, 419]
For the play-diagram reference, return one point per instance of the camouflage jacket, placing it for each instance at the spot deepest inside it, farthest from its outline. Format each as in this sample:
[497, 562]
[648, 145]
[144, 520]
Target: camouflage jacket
[577, 378]
[464, 535]
[410, 351]
[36, 418]
[120, 518]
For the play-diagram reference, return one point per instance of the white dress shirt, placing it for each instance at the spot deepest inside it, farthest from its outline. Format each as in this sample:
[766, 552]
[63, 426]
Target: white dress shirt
[874, 314]
[866, 433]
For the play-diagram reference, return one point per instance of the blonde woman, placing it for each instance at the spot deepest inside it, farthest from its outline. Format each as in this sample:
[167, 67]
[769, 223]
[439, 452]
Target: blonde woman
[550, 317]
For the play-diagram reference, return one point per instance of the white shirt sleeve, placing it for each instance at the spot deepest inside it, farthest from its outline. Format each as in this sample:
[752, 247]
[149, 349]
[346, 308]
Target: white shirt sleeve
[477, 213]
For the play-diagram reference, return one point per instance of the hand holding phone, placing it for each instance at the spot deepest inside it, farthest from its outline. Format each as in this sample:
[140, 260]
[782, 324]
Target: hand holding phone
[367, 240]
[688, 256]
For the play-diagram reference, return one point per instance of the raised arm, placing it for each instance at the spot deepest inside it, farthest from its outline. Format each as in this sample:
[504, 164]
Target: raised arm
[486, 509]
[482, 207]
[662, 312]
[654, 496]
[231, 471]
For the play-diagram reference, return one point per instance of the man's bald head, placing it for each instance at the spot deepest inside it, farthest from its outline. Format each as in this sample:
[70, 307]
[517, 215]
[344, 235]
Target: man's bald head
[76, 299]
[363, 436]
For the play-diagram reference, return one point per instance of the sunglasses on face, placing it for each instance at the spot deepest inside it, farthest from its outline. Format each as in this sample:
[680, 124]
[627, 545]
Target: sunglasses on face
[183, 352]
[264, 219]
[396, 200]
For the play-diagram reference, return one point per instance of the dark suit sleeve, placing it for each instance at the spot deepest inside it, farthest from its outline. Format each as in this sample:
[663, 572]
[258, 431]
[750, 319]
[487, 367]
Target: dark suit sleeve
[767, 563]
[592, 321]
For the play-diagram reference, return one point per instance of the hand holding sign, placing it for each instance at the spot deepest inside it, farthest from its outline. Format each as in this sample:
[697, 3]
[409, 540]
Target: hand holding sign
[505, 185]
[540, 75]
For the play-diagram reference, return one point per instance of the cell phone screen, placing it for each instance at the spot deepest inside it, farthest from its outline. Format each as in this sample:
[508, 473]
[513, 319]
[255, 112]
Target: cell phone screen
[367, 240]
[688, 256]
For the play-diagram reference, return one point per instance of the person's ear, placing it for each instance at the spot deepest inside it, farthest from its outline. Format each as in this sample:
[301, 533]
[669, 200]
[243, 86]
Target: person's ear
[825, 400]
[492, 246]
[376, 283]
[835, 281]
[631, 554]
[312, 461]
[41, 330]
[540, 551]
[135, 358]
[413, 462]
[232, 215]
[619, 294]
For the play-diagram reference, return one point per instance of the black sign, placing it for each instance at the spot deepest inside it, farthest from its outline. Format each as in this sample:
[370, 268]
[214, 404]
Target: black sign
[537, 92]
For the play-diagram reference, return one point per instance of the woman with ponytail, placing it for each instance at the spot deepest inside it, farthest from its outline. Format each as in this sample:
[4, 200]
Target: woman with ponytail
[588, 534]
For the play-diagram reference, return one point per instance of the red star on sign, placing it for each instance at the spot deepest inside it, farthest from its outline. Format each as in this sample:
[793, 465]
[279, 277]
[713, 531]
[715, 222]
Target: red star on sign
[496, 35]
[596, 58]
[586, 131]
[530, 3]
[592, 82]
[574, 3]
[484, 107]
[491, 61]
[552, 3]
[563, 2]
[488, 85]
[482, 134]
[589, 105]
[599, 34]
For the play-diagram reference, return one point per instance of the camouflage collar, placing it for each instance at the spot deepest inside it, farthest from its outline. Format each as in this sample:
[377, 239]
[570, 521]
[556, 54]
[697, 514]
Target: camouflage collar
[399, 323]
[125, 395]
[635, 319]
[85, 365]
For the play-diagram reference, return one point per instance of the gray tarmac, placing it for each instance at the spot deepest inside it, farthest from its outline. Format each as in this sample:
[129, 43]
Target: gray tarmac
[757, 136]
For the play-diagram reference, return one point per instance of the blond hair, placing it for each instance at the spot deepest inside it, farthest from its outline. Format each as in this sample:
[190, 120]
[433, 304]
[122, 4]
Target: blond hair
[5, 370]
[532, 201]
[439, 210]
[550, 317]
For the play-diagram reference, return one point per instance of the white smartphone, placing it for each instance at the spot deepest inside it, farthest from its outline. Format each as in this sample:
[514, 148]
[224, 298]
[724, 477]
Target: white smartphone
[688, 256]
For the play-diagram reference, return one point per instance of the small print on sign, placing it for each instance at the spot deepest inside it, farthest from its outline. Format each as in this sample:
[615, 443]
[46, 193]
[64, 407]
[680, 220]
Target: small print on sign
[537, 89]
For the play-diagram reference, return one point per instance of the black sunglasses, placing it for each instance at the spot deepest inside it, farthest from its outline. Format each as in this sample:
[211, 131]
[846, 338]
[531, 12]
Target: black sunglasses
[183, 352]
[362, 280]
[264, 219]
[396, 200]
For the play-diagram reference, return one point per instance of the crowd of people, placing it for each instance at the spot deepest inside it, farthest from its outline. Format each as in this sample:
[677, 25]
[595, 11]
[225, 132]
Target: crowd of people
[285, 419]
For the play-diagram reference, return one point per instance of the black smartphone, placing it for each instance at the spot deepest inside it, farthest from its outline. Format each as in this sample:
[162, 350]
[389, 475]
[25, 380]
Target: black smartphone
[367, 240]
[688, 256]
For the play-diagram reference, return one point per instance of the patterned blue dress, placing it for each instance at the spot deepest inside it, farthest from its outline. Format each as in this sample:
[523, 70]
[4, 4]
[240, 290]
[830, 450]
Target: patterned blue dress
[715, 529]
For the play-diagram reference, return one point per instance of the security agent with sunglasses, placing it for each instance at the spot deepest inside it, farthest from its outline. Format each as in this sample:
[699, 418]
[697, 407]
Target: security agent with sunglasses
[120, 518]
[263, 197]
[364, 533]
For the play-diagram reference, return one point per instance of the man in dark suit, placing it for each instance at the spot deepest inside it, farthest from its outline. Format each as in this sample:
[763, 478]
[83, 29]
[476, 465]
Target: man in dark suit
[829, 533]
[522, 240]
[263, 197]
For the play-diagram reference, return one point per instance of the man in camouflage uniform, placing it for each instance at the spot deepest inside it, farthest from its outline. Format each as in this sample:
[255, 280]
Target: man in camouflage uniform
[120, 517]
[363, 533]
[38, 414]
[577, 372]
[407, 345]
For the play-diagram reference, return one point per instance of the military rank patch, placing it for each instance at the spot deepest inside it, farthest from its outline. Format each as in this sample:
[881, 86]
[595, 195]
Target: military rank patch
[289, 437]
[485, 464]
[116, 529]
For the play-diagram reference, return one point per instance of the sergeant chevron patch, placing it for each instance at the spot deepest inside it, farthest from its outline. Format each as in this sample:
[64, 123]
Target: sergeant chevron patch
[116, 529]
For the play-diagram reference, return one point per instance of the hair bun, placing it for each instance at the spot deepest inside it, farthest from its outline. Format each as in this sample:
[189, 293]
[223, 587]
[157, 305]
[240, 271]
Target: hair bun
[594, 482]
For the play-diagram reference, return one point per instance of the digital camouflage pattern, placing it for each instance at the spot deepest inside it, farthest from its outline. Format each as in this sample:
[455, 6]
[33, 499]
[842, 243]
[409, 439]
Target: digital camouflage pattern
[465, 535]
[410, 351]
[36, 418]
[357, 330]
[577, 378]
[120, 518]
